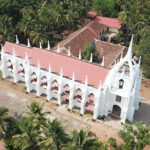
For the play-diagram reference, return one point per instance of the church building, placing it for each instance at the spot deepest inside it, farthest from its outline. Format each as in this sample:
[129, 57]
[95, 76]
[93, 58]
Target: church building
[104, 91]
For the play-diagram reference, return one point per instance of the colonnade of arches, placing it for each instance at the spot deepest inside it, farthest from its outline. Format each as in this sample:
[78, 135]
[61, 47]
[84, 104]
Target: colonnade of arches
[65, 91]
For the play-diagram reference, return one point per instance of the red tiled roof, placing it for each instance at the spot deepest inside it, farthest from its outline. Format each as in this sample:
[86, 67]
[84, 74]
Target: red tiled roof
[69, 65]
[80, 38]
[110, 22]
[92, 14]
[109, 51]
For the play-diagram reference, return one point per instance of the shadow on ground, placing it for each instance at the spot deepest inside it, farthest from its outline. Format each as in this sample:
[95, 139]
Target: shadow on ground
[142, 114]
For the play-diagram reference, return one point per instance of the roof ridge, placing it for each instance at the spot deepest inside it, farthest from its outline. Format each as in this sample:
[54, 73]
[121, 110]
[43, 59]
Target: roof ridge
[75, 58]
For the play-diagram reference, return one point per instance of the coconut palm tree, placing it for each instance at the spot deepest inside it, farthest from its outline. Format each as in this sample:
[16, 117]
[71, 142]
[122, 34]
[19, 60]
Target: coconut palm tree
[4, 118]
[82, 140]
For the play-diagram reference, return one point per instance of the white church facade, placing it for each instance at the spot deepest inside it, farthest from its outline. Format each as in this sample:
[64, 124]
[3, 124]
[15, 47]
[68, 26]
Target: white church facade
[91, 87]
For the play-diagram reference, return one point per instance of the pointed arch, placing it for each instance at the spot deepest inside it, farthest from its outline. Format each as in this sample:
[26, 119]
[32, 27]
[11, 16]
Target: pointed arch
[54, 86]
[44, 82]
[116, 112]
[9, 65]
[78, 95]
[33, 78]
[90, 102]
[66, 92]
[21, 70]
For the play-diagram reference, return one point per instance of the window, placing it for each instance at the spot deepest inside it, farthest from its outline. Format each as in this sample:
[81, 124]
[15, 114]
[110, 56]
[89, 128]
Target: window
[121, 82]
[118, 98]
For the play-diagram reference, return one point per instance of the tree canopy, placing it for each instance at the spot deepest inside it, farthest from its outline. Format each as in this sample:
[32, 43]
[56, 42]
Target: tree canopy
[90, 48]
[34, 131]
[38, 20]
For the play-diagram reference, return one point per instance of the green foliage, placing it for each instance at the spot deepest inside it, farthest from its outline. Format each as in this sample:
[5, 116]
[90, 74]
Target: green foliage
[34, 131]
[112, 142]
[105, 7]
[137, 137]
[144, 52]
[87, 52]
[40, 19]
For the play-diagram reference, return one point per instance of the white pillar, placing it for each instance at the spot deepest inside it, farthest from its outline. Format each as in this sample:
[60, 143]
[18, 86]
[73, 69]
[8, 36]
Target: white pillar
[17, 40]
[15, 67]
[103, 61]
[40, 45]
[60, 87]
[38, 92]
[48, 46]
[91, 58]
[27, 75]
[71, 101]
[28, 41]
[84, 96]
[49, 84]
[69, 53]
[58, 49]
[80, 57]
[4, 63]
[97, 102]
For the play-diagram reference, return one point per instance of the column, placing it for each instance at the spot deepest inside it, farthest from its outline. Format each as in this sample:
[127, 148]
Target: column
[84, 97]
[60, 87]
[49, 84]
[71, 101]
[38, 84]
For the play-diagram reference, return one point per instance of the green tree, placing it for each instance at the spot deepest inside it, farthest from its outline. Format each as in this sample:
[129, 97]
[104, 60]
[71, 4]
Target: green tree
[144, 52]
[82, 140]
[3, 119]
[88, 50]
[135, 137]
[105, 7]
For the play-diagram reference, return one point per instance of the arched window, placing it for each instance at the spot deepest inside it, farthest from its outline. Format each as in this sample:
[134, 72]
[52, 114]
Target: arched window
[21, 70]
[91, 98]
[78, 95]
[33, 78]
[121, 83]
[66, 89]
[9, 65]
[66, 92]
[55, 86]
[44, 82]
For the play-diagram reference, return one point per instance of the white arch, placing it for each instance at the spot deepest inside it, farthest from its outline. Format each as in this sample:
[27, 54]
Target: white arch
[33, 78]
[54, 86]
